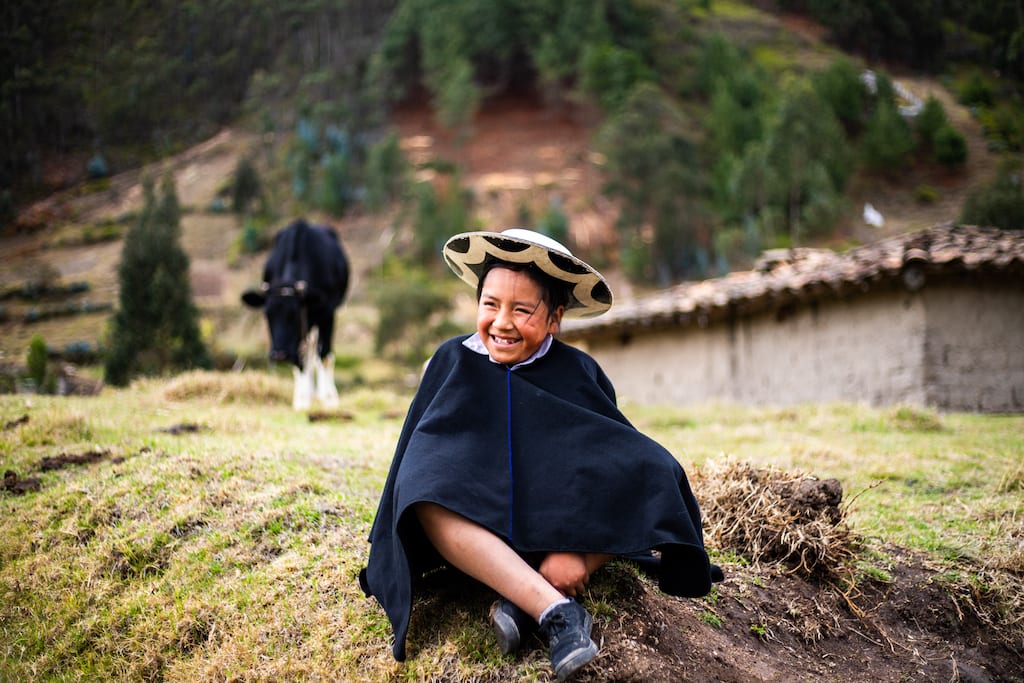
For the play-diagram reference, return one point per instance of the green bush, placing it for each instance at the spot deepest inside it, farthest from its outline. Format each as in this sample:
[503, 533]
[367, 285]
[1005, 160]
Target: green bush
[975, 90]
[950, 146]
[718, 59]
[246, 186]
[1005, 123]
[610, 72]
[156, 326]
[926, 194]
[412, 308]
[439, 212]
[841, 87]
[888, 142]
[387, 173]
[928, 122]
[37, 360]
[554, 223]
[999, 204]
[335, 191]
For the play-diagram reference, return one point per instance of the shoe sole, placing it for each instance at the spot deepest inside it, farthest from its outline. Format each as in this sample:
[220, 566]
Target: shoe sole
[576, 661]
[507, 632]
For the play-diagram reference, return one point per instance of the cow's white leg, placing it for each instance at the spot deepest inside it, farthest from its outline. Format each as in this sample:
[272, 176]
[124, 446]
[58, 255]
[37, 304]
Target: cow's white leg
[305, 378]
[326, 392]
[303, 395]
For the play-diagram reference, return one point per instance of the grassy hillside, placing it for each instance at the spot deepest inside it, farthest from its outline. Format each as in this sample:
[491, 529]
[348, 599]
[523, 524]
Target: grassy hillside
[198, 529]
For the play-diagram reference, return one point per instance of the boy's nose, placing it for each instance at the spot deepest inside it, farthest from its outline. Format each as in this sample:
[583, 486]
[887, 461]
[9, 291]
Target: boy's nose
[503, 318]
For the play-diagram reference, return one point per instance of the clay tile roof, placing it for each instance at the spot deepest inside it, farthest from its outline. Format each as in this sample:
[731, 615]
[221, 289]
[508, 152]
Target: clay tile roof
[783, 277]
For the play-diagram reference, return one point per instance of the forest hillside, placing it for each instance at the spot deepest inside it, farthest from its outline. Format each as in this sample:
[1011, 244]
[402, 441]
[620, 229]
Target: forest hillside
[664, 141]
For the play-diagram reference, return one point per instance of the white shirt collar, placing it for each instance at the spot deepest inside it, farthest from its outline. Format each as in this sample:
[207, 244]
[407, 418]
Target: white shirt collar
[474, 343]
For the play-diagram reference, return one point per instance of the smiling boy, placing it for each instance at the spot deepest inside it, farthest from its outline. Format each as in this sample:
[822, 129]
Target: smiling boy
[516, 467]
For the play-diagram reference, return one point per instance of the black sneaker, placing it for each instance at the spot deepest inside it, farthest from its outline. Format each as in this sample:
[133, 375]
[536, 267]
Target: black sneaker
[511, 624]
[567, 629]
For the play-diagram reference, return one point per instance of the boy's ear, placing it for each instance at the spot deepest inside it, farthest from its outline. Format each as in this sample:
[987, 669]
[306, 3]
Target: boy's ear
[556, 318]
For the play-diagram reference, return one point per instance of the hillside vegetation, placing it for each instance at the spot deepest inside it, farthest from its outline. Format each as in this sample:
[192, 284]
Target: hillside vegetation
[198, 529]
[195, 527]
[662, 141]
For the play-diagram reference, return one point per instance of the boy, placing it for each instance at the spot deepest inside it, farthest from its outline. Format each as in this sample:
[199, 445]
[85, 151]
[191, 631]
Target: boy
[516, 467]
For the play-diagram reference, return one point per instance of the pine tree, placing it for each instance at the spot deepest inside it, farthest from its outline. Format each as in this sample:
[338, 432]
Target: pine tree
[156, 326]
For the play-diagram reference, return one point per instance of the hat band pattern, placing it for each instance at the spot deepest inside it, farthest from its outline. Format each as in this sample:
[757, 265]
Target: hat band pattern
[590, 295]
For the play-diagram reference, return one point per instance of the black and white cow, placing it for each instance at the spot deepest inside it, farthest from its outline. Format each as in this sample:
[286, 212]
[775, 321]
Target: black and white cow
[305, 279]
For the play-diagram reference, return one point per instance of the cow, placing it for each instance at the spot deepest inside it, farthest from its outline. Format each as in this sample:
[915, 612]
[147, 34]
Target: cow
[305, 279]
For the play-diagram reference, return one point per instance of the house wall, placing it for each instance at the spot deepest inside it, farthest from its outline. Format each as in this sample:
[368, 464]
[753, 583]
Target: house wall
[869, 349]
[948, 347]
[974, 350]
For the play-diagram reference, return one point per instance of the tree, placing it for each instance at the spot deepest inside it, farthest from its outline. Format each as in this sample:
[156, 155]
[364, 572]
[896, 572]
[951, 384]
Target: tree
[927, 123]
[441, 208]
[246, 187]
[155, 328]
[888, 141]
[388, 173]
[652, 166]
[950, 146]
[37, 361]
[793, 179]
[999, 204]
[841, 87]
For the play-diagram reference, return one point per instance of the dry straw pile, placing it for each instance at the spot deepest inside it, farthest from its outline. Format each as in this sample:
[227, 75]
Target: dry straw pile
[767, 515]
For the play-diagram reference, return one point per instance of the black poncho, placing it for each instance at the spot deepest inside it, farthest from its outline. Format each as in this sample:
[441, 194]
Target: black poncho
[542, 457]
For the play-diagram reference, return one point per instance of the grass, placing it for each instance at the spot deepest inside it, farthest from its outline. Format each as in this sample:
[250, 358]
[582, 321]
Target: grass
[231, 552]
[946, 483]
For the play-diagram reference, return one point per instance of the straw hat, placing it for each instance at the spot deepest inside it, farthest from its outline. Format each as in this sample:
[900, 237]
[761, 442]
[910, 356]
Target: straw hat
[467, 253]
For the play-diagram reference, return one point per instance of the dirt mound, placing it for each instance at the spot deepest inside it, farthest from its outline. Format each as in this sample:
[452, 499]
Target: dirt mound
[771, 625]
[795, 607]
[792, 613]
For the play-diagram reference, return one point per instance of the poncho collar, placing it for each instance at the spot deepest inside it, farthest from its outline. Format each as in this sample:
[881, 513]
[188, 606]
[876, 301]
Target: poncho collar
[474, 343]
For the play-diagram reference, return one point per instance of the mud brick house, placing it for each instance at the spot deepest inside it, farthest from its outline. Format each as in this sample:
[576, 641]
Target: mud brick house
[930, 318]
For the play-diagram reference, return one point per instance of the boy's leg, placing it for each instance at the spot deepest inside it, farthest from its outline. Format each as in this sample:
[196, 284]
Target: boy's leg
[487, 558]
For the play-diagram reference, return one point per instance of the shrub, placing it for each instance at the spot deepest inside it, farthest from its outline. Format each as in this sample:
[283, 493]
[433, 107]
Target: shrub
[999, 204]
[387, 173]
[412, 310]
[888, 141]
[928, 122]
[246, 187]
[37, 360]
[439, 212]
[1005, 123]
[950, 146]
[926, 194]
[554, 223]
[609, 74]
[156, 326]
[335, 187]
[841, 87]
[976, 90]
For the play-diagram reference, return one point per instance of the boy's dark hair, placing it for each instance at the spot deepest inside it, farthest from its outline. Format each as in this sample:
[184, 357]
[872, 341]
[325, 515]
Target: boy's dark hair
[553, 292]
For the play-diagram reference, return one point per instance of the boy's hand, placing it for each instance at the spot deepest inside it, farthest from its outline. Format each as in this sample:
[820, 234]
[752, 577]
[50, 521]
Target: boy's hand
[566, 571]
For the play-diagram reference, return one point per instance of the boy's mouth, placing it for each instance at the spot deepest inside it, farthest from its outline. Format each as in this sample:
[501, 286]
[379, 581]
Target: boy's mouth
[503, 341]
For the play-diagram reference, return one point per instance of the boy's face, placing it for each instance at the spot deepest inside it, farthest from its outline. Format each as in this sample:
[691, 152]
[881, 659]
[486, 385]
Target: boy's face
[511, 318]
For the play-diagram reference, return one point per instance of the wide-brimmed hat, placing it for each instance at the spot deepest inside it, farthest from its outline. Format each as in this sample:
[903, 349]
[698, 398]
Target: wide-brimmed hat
[468, 252]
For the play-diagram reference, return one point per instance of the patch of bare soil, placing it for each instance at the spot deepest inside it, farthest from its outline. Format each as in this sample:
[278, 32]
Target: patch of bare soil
[18, 485]
[58, 462]
[795, 609]
[769, 625]
[763, 624]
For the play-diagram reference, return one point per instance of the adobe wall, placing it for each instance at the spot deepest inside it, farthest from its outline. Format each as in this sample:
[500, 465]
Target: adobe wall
[974, 350]
[868, 350]
[946, 347]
